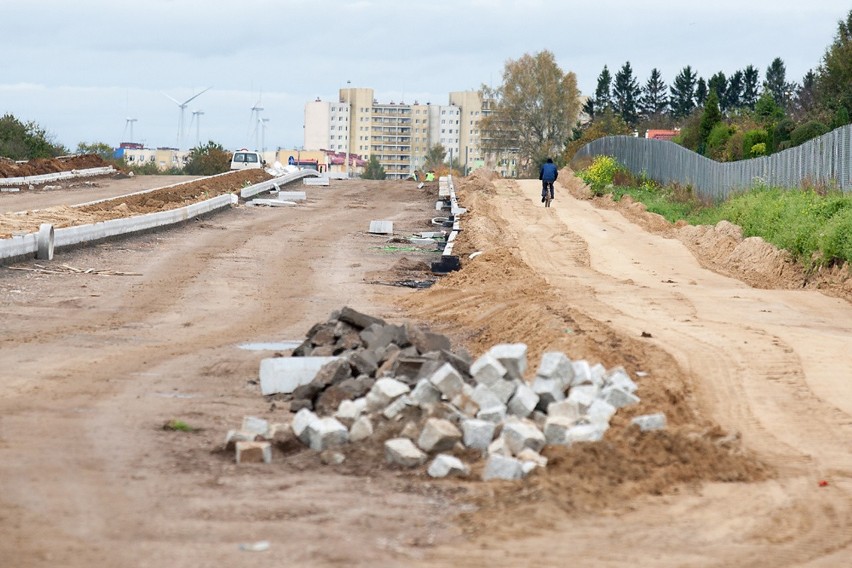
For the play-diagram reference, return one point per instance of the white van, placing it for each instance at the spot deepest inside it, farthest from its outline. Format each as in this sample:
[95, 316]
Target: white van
[246, 160]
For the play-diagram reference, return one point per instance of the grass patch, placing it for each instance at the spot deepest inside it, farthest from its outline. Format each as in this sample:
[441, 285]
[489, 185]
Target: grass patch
[178, 426]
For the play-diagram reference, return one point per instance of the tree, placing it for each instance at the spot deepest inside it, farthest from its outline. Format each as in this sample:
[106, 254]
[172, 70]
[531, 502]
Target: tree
[709, 119]
[603, 97]
[207, 160]
[803, 104]
[654, 100]
[434, 157]
[606, 123]
[834, 76]
[776, 81]
[625, 95]
[26, 141]
[750, 92]
[734, 93]
[101, 149]
[700, 92]
[534, 110]
[374, 169]
[682, 99]
[718, 84]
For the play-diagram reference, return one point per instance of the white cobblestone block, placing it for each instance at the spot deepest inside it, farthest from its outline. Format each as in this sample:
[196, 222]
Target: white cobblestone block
[498, 447]
[425, 393]
[556, 430]
[445, 465]
[513, 356]
[361, 429]
[402, 451]
[325, 433]
[618, 377]
[447, 380]
[556, 365]
[530, 455]
[586, 433]
[600, 412]
[485, 397]
[384, 391]
[350, 410]
[504, 389]
[618, 397]
[438, 435]
[582, 396]
[395, 408]
[582, 372]
[598, 373]
[465, 404]
[523, 402]
[549, 390]
[301, 421]
[520, 434]
[648, 422]
[566, 409]
[477, 434]
[502, 467]
[487, 370]
[494, 414]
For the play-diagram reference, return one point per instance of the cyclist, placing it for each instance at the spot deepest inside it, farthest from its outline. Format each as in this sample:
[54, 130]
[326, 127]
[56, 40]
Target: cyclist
[547, 174]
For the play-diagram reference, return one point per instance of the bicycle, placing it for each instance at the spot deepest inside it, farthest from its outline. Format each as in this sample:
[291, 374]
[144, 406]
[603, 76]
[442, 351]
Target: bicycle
[548, 191]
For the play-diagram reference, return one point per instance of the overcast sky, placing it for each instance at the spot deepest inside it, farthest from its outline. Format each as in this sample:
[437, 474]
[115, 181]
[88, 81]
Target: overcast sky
[80, 68]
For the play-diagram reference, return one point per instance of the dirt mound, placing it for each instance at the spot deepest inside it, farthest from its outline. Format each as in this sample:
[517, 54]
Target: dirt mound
[138, 204]
[50, 166]
[480, 180]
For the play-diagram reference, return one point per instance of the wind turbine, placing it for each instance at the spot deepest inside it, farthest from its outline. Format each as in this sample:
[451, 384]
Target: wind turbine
[183, 106]
[196, 113]
[255, 118]
[263, 122]
[129, 122]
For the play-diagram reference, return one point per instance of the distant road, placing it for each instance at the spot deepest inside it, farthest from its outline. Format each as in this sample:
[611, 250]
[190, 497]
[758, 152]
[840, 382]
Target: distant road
[103, 188]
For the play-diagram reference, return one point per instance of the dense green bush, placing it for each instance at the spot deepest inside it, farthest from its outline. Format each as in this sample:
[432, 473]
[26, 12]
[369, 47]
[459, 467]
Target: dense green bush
[717, 142]
[753, 137]
[601, 173]
[807, 131]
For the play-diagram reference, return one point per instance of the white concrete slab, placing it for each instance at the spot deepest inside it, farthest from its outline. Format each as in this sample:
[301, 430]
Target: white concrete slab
[284, 374]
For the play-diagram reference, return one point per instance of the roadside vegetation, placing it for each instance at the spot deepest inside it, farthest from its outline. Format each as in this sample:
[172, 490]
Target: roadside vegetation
[813, 223]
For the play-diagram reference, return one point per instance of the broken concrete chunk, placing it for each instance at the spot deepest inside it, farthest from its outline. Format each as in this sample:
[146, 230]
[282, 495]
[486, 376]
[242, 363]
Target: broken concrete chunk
[502, 467]
[487, 370]
[556, 365]
[365, 362]
[513, 356]
[447, 380]
[333, 373]
[446, 465]
[361, 429]
[523, 402]
[350, 410]
[648, 422]
[478, 434]
[402, 451]
[254, 452]
[619, 398]
[520, 434]
[284, 374]
[358, 319]
[396, 407]
[438, 435]
[326, 433]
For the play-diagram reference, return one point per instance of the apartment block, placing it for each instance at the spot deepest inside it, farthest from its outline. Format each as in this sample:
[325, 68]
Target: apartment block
[327, 125]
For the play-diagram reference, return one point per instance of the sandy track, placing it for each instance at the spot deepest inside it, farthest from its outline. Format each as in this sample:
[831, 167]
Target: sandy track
[772, 365]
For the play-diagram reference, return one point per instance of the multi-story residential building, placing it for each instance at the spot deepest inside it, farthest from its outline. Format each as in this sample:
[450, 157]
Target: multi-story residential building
[327, 125]
[400, 135]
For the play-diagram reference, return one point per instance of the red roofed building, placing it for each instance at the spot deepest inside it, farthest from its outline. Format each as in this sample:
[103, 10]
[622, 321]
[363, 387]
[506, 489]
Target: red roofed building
[661, 134]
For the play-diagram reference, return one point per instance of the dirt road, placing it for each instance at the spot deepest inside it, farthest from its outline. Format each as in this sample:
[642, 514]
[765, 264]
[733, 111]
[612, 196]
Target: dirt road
[83, 191]
[91, 367]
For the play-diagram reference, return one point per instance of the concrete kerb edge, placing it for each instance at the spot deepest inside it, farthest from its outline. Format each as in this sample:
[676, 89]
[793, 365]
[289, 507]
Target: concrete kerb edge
[450, 262]
[57, 176]
[275, 183]
[26, 246]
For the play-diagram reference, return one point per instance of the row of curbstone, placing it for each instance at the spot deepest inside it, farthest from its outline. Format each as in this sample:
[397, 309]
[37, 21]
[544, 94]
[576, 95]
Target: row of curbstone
[443, 405]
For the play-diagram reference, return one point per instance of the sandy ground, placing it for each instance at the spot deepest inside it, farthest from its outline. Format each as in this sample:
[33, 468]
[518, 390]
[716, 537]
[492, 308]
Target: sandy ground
[754, 381]
[82, 191]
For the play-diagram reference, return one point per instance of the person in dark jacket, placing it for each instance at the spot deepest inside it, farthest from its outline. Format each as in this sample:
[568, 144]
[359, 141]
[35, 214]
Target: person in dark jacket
[547, 174]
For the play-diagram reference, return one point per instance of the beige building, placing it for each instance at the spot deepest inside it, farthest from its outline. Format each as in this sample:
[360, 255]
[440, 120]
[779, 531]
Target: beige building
[164, 158]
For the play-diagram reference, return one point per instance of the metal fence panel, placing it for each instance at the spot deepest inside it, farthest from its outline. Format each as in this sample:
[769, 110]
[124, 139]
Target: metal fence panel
[826, 161]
